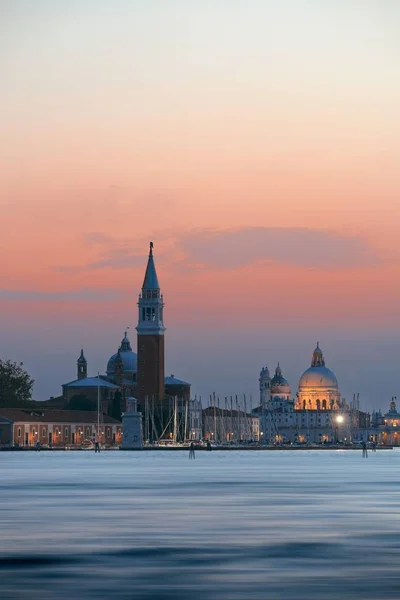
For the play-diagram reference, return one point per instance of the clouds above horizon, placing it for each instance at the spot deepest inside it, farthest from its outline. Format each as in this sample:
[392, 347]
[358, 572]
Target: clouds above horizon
[80, 294]
[300, 247]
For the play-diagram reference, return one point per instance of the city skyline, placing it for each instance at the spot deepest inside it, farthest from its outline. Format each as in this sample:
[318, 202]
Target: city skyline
[258, 152]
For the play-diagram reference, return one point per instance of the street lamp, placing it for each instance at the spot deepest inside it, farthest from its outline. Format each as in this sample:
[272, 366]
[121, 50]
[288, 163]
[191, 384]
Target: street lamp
[339, 420]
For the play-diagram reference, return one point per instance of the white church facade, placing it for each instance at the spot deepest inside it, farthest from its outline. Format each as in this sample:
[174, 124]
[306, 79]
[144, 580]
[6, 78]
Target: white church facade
[317, 415]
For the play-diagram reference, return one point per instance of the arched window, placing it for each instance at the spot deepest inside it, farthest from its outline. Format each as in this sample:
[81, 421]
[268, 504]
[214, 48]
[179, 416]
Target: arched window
[318, 402]
[323, 404]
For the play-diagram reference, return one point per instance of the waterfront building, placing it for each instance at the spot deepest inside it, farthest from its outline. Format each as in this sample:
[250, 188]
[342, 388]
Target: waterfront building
[317, 415]
[385, 429]
[56, 428]
[138, 375]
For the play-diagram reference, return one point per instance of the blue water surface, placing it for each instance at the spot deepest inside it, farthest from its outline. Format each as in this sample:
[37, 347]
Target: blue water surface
[281, 525]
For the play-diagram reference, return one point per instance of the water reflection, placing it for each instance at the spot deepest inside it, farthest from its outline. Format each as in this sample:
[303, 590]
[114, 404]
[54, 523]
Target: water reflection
[262, 525]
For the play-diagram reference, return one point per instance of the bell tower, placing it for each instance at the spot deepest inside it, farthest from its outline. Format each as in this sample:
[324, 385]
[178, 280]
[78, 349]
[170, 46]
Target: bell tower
[150, 338]
[265, 388]
[81, 366]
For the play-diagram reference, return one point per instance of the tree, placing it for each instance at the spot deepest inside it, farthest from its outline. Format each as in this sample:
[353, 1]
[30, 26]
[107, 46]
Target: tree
[115, 412]
[15, 385]
[81, 402]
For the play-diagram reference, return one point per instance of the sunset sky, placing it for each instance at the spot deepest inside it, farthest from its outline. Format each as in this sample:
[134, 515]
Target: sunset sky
[256, 142]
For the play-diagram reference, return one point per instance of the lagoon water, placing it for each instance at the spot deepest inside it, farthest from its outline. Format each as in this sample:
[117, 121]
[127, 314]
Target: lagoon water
[229, 525]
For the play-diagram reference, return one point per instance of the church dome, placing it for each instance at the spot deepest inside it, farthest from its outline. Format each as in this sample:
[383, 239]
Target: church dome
[128, 357]
[318, 375]
[279, 385]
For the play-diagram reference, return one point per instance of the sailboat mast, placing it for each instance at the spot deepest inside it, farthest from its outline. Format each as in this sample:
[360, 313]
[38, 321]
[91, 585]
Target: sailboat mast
[98, 406]
[175, 419]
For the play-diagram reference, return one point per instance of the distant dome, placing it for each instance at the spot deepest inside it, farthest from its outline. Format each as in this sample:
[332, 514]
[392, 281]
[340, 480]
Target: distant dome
[318, 375]
[279, 385]
[128, 357]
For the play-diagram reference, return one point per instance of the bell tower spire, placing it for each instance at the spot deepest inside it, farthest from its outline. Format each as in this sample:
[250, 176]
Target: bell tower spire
[150, 337]
[81, 366]
[265, 387]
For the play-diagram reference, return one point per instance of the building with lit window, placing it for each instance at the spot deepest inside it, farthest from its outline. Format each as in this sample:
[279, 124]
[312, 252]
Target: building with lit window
[140, 375]
[385, 429]
[56, 428]
[317, 415]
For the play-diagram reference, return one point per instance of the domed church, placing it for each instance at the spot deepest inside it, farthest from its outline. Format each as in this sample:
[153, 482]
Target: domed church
[318, 386]
[123, 362]
[280, 388]
[140, 375]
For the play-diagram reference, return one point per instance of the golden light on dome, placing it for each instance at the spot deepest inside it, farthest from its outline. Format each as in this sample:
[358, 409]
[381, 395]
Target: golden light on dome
[318, 387]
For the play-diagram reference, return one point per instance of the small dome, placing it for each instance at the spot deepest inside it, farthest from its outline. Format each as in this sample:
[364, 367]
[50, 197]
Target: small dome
[279, 385]
[318, 377]
[128, 357]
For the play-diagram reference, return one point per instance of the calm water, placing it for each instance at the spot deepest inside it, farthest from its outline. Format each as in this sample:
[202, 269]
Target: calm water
[229, 525]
